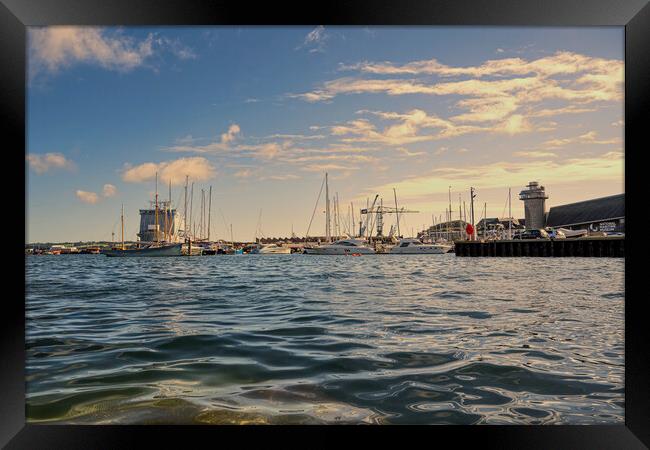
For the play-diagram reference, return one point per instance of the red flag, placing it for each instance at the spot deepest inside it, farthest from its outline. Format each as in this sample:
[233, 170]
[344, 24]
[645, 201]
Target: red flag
[469, 229]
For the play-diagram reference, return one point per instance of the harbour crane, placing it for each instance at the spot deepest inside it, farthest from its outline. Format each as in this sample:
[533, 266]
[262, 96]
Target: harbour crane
[379, 211]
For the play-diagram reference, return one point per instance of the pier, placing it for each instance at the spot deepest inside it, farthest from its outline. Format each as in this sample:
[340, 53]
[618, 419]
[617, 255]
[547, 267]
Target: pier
[612, 247]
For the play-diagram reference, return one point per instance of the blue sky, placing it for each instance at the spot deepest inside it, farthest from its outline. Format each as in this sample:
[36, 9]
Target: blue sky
[260, 113]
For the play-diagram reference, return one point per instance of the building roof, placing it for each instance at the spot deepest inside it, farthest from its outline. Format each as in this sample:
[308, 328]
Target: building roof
[502, 220]
[454, 224]
[596, 210]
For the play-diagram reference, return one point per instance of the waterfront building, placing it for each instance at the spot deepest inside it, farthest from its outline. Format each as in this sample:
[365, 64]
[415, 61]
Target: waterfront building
[599, 214]
[534, 199]
[498, 225]
[451, 230]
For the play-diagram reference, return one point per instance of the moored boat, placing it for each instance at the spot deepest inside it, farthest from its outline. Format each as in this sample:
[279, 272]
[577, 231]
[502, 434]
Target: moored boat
[342, 247]
[152, 250]
[271, 249]
[416, 247]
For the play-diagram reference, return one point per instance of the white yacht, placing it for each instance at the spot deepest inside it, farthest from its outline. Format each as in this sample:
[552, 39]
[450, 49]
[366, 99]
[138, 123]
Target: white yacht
[271, 249]
[342, 247]
[416, 247]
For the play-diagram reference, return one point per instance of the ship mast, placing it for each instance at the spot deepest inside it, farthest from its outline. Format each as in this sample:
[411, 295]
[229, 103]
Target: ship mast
[185, 209]
[201, 214]
[396, 213]
[122, 219]
[191, 204]
[327, 211]
[509, 214]
[169, 212]
[157, 237]
[209, 211]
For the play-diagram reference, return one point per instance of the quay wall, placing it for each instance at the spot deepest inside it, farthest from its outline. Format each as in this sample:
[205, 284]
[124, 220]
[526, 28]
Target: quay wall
[595, 247]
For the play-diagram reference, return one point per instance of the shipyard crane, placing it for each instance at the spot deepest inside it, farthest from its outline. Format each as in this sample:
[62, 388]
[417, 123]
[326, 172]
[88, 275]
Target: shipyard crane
[363, 227]
[379, 212]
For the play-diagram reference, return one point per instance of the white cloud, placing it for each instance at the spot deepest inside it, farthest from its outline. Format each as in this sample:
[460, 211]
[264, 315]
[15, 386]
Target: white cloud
[186, 144]
[56, 47]
[109, 190]
[43, 163]
[269, 150]
[325, 167]
[231, 134]
[315, 40]
[492, 92]
[87, 197]
[197, 168]
[245, 173]
[405, 129]
[535, 154]
[284, 177]
[586, 138]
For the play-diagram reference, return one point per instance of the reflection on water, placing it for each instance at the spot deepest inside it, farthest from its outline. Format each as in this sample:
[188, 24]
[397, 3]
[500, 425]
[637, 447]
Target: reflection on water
[307, 339]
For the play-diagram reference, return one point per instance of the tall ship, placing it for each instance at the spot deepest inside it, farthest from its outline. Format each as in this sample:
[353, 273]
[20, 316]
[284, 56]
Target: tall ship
[159, 232]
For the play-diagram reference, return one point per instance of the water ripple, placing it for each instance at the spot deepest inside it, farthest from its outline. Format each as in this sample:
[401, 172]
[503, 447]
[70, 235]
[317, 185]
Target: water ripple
[309, 340]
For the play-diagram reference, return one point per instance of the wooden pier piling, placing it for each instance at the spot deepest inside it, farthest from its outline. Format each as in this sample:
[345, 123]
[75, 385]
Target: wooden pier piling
[600, 247]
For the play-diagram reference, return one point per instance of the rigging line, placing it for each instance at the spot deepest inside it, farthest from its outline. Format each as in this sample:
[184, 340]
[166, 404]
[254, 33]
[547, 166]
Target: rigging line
[224, 220]
[315, 207]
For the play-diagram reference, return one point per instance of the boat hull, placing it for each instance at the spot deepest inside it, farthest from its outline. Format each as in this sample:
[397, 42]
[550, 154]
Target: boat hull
[274, 251]
[168, 250]
[420, 250]
[339, 251]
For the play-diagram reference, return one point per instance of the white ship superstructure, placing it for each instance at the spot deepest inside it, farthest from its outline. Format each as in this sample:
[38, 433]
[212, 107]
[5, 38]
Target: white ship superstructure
[164, 227]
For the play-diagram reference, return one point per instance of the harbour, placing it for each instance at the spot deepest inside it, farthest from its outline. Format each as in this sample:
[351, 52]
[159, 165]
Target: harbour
[593, 228]
[315, 225]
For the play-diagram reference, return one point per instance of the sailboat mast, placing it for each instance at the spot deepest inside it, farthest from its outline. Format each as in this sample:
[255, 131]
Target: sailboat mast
[449, 206]
[460, 208]
[209, 212]
[509, 214]
[471, 210]
[122, 219]
[201, 233]
[185, 208]
[396, 213]
[338, 217]
[353, 223]
[484, 218]
[169, 213]
[156, 213]
[327, 210]
[191, 204]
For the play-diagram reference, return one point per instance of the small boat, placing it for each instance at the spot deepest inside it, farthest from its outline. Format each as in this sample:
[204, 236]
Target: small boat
[271, 249]
[151, 250]
[416, 247]
[343, 247]
[570, 234]
[196, 250]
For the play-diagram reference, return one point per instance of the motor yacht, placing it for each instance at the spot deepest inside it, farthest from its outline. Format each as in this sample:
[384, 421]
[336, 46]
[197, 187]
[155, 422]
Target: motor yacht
[416, 247]
[342, 247]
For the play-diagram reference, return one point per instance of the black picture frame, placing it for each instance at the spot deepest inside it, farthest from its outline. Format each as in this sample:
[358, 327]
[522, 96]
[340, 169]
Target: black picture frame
[634, 15]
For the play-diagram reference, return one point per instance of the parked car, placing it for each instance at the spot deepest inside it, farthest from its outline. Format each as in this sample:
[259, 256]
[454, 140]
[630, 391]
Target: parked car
[532, 234]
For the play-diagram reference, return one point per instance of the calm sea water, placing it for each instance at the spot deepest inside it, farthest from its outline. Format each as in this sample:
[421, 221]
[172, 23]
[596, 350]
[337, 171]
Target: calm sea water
[314, 339]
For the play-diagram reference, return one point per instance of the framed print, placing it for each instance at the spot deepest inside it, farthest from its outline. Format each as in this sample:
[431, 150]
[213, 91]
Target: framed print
[375, 214]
